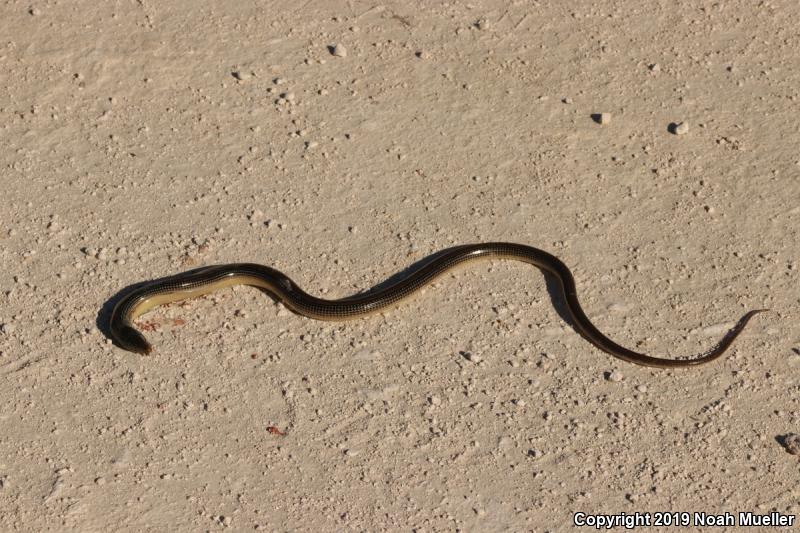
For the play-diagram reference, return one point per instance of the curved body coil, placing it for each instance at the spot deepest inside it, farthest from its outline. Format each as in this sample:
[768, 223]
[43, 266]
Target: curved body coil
[204, 280]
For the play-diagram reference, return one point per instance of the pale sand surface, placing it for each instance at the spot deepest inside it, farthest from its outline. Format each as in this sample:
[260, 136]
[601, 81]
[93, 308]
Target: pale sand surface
[130, 151]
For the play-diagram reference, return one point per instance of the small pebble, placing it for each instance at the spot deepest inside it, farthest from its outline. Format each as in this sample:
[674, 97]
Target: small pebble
[681, 128]
[338, 50]
[615, 376]
[241, 76]
[655, 67]
[792, 443]
[483, 24]
[474, 358]
[602, 118]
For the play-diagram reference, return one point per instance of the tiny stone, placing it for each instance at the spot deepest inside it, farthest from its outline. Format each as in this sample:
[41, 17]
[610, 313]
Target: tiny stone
[474, 358]
[655, 67]
[422, 54]
[615, 376]
[792, 443]
[241, 76]
[338, 50]
[642, 388]
[602, 118]
[681, 128]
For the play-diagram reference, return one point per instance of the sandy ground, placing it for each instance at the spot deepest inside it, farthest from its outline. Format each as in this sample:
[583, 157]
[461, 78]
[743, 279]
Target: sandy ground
[141, 139]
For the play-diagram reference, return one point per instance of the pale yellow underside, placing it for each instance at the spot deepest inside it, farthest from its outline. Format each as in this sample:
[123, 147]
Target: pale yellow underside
[175, 296]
